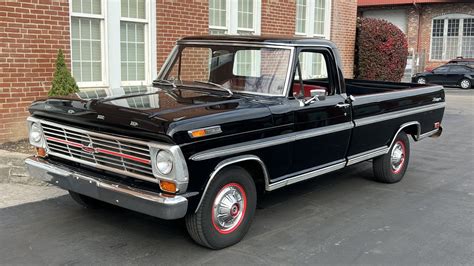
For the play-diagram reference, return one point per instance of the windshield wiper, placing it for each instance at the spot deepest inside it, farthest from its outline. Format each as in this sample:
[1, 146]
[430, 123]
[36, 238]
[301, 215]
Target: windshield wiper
[164, 82]
[217, 86]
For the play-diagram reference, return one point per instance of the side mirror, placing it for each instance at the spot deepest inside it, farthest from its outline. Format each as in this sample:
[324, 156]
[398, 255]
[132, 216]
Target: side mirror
[320, 94]
[316, 95]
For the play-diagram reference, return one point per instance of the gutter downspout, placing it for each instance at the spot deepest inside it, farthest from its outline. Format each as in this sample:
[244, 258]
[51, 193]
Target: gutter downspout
[418, 38]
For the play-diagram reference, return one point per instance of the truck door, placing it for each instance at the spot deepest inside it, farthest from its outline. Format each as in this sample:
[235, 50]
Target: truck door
[322, 128]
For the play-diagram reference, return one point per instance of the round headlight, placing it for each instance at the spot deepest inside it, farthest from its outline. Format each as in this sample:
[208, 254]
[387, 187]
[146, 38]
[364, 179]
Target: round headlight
[164, 162]
[35, 134]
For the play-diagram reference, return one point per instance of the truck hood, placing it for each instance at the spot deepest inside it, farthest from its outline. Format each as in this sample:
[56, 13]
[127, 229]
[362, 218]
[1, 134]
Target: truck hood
[154, 110]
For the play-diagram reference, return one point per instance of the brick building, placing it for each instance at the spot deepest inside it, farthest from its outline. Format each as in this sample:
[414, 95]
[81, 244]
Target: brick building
[437, 30]
[112, 44]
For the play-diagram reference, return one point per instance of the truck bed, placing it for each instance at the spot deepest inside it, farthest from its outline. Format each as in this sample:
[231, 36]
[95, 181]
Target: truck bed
[364, 87]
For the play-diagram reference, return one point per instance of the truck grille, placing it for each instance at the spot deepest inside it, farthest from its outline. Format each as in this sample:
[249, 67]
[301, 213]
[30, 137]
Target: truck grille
[111, 153]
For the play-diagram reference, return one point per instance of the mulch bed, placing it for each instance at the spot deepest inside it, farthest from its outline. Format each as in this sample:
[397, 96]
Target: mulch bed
[22, 146]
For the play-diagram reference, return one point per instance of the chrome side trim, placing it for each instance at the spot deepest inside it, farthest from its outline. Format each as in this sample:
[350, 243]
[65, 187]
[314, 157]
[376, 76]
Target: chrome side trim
[397, 114]
[364, 156]
[404, 126]
[267, 142]
[231, 161]
[305, 176]
[360, 157]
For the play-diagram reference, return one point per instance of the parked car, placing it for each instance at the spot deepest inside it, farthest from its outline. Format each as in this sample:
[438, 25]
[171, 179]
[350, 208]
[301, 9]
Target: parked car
[213, 133]
[454, 73]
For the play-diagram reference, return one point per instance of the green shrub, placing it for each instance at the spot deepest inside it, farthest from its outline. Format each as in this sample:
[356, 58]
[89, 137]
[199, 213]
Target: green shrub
[381, 50]
[63, 83]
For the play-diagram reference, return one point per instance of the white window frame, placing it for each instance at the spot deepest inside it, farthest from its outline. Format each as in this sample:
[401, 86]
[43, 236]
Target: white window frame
[461, 18]
[103, 32]
[309, 26]
[147, 23]
[232, 17]
[110, 42]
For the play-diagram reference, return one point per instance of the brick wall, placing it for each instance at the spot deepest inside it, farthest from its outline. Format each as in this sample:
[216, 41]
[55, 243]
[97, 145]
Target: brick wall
[31, 32]
[176, 19]
[278, 17]
[343, 30]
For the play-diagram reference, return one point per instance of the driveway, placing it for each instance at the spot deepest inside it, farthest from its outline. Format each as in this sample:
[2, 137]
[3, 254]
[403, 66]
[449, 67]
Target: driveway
[340, 218]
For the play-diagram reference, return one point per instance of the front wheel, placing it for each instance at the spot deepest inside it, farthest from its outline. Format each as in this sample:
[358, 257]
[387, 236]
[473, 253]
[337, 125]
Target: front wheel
[226, 211]
[465, 84]
[391, 167]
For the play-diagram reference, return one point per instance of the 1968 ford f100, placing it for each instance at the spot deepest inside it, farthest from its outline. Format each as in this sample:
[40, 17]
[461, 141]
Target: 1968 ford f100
[228, 118]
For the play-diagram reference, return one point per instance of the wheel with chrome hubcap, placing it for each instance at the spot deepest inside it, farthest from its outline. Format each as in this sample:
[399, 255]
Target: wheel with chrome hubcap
[226, 211]
[465, 84]
[229, 208]
[421, 80]
[391, 167]
[397, 157]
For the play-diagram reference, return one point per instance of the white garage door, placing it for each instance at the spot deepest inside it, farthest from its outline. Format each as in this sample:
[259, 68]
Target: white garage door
[397, 17]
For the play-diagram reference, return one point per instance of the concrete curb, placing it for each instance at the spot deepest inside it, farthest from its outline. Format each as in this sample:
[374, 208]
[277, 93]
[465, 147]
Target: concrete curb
[13, 169]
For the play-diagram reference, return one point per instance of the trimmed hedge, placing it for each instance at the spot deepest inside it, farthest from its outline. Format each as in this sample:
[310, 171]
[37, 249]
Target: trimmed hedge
[381, 50]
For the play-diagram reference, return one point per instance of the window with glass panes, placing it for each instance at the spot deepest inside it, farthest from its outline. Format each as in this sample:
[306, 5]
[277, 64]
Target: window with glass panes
[300, 16]
[240, 17]
[133, 23]
[110, 42]
[87, 41]
[312, 20]
[217, 17]
[452, 36]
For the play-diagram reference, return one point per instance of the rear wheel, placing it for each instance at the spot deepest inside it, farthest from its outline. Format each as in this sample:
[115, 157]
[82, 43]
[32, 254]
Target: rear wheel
[391, 167]
[85, 201]
[226, 211]
[421, 80]
[465, 84]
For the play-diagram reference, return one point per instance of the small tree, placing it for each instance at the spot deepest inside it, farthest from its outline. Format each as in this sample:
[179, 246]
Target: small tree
[381, 50]
[63, 83]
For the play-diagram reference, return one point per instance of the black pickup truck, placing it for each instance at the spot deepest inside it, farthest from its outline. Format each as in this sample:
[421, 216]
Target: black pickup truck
[228, 118]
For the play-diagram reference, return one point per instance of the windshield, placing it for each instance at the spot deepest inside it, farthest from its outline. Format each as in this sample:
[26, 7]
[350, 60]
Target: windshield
[258, 70]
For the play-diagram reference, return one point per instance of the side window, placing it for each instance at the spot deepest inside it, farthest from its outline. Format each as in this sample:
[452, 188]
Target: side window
[314, 74]
[457, 69]
[441, 70]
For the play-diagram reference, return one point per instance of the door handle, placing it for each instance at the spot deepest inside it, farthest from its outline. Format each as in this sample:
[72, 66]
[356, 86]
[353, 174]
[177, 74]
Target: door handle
[342, 105]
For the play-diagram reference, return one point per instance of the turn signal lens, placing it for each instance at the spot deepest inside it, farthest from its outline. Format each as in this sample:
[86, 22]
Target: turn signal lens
[202, 132]
[168, 186]
[40, 152]
[198, 133]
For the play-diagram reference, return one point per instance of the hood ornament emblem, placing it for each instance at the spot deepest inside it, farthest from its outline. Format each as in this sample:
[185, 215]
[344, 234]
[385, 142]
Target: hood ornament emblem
[89, 149]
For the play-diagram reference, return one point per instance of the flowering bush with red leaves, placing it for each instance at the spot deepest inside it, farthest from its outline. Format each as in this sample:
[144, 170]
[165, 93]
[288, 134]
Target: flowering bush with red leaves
[381, 50]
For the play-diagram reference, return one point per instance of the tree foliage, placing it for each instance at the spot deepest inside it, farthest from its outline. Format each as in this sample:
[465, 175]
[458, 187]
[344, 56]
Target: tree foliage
[63, 83]
[381, 50]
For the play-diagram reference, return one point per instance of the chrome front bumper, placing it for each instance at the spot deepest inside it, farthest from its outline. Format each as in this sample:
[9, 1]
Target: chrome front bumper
[86, 183]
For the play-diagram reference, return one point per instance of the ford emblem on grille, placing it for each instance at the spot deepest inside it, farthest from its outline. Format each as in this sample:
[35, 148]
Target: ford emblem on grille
[89, 149]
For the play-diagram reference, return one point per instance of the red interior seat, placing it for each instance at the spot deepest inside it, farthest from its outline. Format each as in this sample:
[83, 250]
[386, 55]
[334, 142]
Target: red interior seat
[306, 89]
